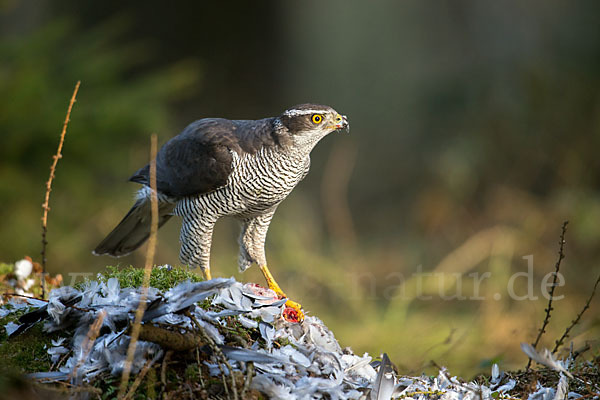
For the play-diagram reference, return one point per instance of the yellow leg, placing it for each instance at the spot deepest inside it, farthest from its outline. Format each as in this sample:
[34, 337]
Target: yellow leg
[206, 273]
[275, 287]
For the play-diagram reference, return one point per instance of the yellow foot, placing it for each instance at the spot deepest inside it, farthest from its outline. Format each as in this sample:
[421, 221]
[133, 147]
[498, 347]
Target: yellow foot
[206, 273]
[293, 311]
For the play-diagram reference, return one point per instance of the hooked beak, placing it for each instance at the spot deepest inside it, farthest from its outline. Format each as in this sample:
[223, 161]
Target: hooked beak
[342, 123]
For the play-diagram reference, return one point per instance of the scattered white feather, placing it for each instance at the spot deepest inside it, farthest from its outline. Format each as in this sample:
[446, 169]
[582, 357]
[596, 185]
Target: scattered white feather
[545, 358]
[562, 388]
[507, 387]
[275, 391]
[56, 352]
[23, 269]
[247, 322]
[30, 302]
[10, 327]
[267, 331]
[542, 393]
[27, 284]
[495, 373]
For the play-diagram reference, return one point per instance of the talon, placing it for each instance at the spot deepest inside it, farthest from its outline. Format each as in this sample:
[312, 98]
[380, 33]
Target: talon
[293, 312]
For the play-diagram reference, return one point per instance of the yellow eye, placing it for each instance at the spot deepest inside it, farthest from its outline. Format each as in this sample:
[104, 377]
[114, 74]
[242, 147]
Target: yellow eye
[317, 118]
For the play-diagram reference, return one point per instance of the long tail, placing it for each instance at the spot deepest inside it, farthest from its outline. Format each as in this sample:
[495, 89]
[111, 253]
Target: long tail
[134, 229]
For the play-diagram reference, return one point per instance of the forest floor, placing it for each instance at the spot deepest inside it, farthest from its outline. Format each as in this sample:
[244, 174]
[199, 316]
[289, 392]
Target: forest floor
[239, 347]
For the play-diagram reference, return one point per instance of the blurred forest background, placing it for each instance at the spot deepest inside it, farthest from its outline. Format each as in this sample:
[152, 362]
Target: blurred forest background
[475, 132]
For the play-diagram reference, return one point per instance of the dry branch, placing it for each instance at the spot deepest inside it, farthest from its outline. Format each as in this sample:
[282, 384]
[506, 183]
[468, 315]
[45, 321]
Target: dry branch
[170, 339]
[45, 205]
[139, 379]
[549, 309]
[565, 335]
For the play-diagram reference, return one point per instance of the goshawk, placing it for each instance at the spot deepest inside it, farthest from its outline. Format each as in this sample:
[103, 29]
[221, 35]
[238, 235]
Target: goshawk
[218, 167]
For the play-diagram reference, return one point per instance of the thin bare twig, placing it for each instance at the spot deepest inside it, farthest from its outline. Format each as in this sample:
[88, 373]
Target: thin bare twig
[135, 330]
[549, 309]
[66, 388]
[565, 335]
[45, 205]
[139, 379]
[248, 379]
[56, 366]
[163, 369]
[581, 350]
[24, 296]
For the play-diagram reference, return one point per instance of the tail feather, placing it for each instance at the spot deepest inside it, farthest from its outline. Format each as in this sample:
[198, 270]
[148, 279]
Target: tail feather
[134, 229]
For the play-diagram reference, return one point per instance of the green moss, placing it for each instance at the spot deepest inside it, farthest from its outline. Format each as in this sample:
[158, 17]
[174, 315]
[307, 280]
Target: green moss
[151, 382]
[109, 386]
[160, 278]
[192, 373]
[27, 352]
[6, 268]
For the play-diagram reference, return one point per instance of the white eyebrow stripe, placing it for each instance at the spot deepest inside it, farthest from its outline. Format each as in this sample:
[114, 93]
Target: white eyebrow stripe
[294, 113]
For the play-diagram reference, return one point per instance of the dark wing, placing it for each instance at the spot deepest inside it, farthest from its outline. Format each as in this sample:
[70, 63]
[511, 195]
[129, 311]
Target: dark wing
[196, 161]
[199, 159]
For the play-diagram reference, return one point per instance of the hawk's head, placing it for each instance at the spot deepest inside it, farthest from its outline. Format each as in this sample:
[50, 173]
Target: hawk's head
[311, 122]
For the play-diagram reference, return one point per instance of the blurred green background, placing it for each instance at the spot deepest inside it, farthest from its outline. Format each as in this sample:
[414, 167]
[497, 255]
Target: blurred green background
[475, 132]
